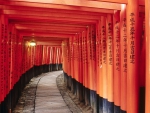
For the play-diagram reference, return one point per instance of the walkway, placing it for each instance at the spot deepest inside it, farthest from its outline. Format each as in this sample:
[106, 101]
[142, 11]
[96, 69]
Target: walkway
[48, 98]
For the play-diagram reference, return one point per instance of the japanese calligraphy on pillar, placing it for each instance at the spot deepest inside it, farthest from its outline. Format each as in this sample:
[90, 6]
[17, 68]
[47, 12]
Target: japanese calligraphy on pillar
[132, 37]
[83, 50]
[93, 44]
[125, 45]
[9, 55]
[117, 39]
[6, 59]
[100, 49]
[97, 45]
[80, 47]
[2, 60]
[104, 44]
[110, 43]
[90, 41]
[85, 45]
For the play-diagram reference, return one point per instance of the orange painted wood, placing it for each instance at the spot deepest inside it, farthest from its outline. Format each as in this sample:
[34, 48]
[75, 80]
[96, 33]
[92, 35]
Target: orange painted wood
[98, 64]
[48, 55]
[0, 64]
[93, 45]
[89, 48]
[123, 47]
[72, 56]
[4, 50]
[102, 7]
[141, 2]
[12, 76]
[48, 28]
[109, 34]
[132, 56]
[100, 83]
[114, 1]
[116, 57]
[69, 58]
[104, 57]
[2, 58]
[53, 14]
[147, 28]
[46, 36]
[77, 58]
[86, 59]
[83, 56]
[142, 63]
[52, 19]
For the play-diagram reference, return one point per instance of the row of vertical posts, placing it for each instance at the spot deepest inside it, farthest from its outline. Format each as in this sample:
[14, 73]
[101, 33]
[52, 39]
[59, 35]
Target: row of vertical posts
[19, 62]
[104, 66]
[48, 58]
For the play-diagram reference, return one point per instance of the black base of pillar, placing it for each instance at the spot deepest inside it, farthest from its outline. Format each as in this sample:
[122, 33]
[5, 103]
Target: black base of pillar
[3, 108]
[12, 97]
[93, 100]
[110, 107]
[81, 92]
[116, 109]
[121, 111]
[97, 105]
[59, 66]
[142, 100]
[100, 104]
[105, 104]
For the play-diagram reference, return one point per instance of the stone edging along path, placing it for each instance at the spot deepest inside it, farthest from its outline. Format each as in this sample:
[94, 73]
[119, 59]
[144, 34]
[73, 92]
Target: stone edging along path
[71, 100]
[26, 103]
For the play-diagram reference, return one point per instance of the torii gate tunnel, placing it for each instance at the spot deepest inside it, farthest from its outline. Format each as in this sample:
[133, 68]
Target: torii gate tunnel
[103, 47]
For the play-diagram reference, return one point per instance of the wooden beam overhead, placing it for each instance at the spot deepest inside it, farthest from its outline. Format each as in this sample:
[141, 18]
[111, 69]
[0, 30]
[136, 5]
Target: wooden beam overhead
[51, 19]
[82, 5]
[41, 27]
[47, 14]
[141, 2]
[41, 34]
[47, 24]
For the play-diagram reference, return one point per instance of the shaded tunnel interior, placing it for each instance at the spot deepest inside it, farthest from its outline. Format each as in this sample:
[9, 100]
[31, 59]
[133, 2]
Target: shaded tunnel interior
[102, 46]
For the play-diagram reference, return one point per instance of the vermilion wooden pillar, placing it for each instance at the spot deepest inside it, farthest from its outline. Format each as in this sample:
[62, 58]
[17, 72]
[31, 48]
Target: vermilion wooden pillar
[98, 57]
[1, 63]
[100, 83]
[92, 37]
[147, 24]
[98, 66]
[123, 47]
[83, 57]
[69, 64]
[6, 59]
[2, 57]
[93, 45]
[116, 55]
[71, 60]
[109, 38]
[88, 49]
[86, 66]
[142, 64]
[132, 56]
[81, 75]
[103, 107]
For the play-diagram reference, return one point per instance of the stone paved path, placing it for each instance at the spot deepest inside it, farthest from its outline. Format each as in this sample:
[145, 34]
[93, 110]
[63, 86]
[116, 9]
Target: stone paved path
[41, 95]
[48, 97]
